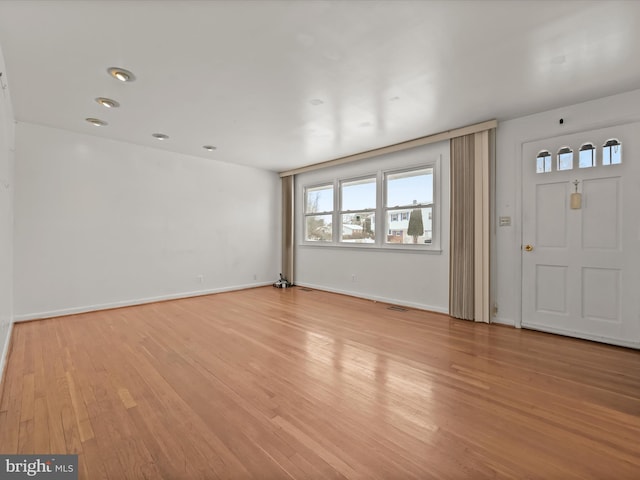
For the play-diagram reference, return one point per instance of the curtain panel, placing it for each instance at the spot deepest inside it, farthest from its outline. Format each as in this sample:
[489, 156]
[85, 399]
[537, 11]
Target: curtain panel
[288, 228]
[462, 217]
[469, 263]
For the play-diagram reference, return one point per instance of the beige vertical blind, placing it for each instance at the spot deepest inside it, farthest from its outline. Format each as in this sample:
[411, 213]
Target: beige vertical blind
[287, 228]
[469, 270]
[462, 214]
[481, 227]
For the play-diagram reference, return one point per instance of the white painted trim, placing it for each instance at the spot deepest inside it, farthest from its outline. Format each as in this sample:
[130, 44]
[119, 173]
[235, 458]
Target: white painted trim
[517, 224]
[5, 353]
[129, 303]
[375, 298]
[504, 321]
[404, 248]
[583, 336]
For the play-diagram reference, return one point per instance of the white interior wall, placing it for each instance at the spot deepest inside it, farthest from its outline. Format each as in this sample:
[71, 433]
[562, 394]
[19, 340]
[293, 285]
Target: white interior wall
[332, 268]
[411, 278]
[511, 135]
[101, 223]
[6, 215]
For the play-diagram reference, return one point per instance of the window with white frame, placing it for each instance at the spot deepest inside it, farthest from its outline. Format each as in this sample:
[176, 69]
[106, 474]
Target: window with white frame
[358, 210]
[543, 162]
[318, 213]
[386, 209]
[565, 159]
[612, 152]
[587, 156]
[408, 206]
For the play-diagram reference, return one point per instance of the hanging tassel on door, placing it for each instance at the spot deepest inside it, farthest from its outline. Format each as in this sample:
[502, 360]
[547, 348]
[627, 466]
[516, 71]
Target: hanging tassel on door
[576, 198]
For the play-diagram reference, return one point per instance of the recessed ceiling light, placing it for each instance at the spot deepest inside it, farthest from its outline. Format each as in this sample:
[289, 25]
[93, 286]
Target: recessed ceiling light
[210, 148]
[107, 102]
[121, 74]
[316, 101]
[96, 121]
[160, 136]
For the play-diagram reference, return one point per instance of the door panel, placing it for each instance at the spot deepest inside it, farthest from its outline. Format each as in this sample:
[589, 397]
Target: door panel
[551, 289]
[551, 221]
[601, 294]
[601, 215]
[580, 271]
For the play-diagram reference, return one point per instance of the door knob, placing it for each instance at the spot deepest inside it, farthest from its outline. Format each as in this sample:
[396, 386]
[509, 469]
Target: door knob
[528, 248]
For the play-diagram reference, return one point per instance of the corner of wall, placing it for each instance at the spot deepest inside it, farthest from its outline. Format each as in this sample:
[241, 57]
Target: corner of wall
[7, 177]
[4, 356]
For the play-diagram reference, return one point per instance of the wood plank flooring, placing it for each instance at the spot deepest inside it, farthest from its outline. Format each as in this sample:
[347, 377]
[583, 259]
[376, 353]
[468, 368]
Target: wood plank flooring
[285, 383]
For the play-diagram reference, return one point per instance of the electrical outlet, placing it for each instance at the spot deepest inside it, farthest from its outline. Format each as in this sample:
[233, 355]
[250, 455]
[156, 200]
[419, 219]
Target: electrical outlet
[200, 278]
[255, 276]
[354, 277]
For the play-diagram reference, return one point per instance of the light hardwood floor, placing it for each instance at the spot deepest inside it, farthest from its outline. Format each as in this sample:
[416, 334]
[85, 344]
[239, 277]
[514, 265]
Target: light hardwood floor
[286, 383]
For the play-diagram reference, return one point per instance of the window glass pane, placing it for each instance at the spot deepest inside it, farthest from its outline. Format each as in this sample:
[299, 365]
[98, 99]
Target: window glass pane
[318, 228]
[359, 194]
[415, 229]
[565, 159]
[410, 188]
[616, 154]
[319, 199]
[587, 156]
[358, 227]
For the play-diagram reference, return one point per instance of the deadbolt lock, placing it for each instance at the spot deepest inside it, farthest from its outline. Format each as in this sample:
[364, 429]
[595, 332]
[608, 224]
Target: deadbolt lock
[528, 248]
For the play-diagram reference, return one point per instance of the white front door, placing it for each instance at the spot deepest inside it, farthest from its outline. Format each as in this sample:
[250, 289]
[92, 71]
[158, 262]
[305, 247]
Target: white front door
[581, 266]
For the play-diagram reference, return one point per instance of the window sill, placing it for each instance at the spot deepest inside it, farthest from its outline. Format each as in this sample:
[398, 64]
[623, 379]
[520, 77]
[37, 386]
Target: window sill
[405, 248]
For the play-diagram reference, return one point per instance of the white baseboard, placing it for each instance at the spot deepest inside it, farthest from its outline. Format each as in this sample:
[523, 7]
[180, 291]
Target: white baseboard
[503, 321]
[129, 303]
[376, 298]
[5, 353]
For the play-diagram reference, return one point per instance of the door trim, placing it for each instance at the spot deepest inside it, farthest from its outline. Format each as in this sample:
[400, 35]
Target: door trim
[519, 207]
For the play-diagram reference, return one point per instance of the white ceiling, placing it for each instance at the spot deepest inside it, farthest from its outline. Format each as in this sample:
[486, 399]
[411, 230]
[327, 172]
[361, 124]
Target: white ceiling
[240, 75]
